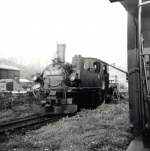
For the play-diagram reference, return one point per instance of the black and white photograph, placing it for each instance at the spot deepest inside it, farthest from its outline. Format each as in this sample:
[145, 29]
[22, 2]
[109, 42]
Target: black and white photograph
[74, 75]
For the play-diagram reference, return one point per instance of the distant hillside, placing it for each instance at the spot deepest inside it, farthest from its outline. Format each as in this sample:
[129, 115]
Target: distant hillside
[26, 71]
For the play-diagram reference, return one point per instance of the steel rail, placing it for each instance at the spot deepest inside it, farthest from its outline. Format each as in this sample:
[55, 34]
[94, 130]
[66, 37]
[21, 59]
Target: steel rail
[28, 121]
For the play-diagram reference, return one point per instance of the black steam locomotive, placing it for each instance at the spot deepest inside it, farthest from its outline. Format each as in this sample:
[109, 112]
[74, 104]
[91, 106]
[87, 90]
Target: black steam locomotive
[65, 88]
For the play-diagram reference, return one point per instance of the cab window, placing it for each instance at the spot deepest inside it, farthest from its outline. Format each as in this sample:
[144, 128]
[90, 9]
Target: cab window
[96, 66]
[105, 68]
[86, 66]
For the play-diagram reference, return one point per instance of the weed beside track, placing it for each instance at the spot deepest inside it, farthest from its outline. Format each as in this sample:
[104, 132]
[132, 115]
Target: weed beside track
[103, 129]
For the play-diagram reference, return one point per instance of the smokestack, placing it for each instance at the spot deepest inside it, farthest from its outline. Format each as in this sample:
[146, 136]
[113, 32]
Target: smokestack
[61, 52]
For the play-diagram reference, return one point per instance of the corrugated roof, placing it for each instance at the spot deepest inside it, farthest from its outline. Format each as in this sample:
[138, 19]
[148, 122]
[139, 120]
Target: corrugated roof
[7, 67]
[24, 80]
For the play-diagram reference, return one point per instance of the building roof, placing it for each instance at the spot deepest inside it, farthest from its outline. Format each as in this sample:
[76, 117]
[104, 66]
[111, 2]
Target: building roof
[25, 81]
[7, 67]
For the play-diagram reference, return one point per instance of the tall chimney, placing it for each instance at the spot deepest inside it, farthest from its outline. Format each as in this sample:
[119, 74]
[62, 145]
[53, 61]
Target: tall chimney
[61, 52]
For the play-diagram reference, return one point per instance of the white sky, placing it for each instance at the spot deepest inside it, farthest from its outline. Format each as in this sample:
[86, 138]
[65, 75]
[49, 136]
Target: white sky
[30, 29]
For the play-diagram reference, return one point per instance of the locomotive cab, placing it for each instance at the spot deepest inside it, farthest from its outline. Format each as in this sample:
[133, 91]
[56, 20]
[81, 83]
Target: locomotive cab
[94, 80]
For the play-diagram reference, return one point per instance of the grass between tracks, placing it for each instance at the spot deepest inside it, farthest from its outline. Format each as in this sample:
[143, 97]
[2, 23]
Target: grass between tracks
[19, 111]
[103, 129]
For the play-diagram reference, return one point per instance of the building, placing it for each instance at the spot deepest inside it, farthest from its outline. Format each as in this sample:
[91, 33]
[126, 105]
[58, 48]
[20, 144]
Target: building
[9, 72]
[139, 68]
[26, 84]
[9, 78]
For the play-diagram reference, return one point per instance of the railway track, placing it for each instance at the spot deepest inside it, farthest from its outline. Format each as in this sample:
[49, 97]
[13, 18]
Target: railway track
[28, 121]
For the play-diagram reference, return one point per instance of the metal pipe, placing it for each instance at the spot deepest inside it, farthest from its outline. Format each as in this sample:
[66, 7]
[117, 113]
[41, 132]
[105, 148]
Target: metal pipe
[117, 68]
[144, 3]
[140, 42]
[139, 25]
[141, 99]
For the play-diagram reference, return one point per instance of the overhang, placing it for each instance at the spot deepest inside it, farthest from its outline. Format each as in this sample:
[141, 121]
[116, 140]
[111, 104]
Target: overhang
[132, 7]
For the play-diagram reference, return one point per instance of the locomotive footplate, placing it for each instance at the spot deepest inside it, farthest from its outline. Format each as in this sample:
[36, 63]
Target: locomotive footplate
[61, 93]
[60, 101]
[64, 109]
[53, 92]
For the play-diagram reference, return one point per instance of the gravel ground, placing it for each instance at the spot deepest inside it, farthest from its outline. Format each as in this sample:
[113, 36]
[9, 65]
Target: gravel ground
[103, 129]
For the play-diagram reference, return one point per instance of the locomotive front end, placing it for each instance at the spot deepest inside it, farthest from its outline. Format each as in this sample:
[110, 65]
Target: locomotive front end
[59, 96]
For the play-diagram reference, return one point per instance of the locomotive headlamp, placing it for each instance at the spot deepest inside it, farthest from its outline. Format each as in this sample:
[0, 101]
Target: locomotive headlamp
[72, 76]
[34, 78]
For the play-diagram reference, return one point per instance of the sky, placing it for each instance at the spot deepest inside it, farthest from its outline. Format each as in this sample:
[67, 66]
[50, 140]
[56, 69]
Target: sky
[31, 29]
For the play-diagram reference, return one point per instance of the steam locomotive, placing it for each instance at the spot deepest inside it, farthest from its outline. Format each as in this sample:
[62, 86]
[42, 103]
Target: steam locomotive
[65, 88]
